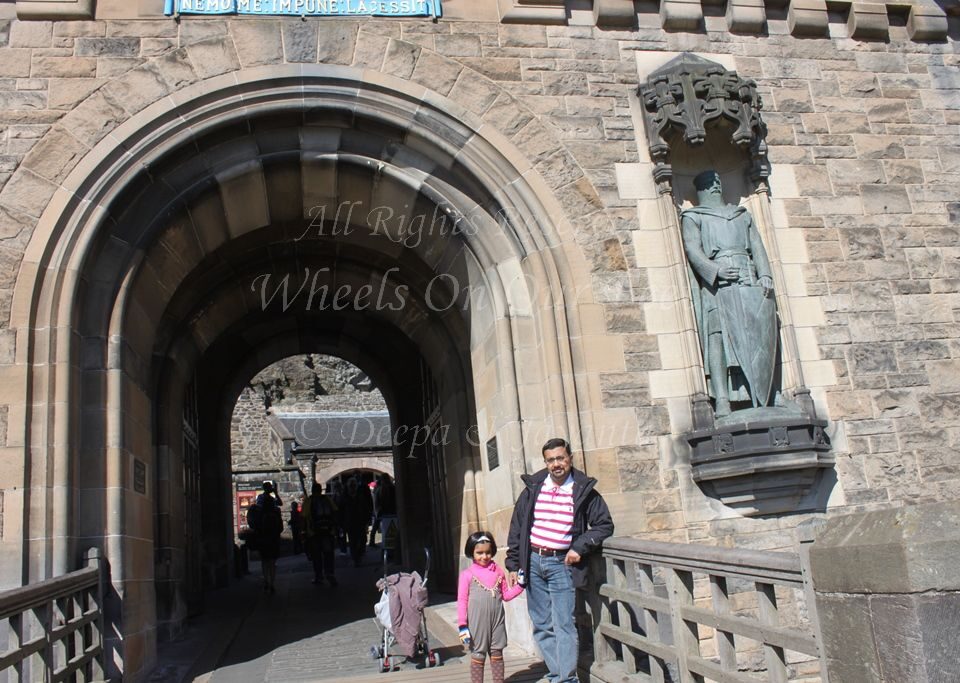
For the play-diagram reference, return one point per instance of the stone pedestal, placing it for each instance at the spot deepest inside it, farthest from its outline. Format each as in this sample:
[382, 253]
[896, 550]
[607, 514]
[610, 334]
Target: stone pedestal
[887, 588]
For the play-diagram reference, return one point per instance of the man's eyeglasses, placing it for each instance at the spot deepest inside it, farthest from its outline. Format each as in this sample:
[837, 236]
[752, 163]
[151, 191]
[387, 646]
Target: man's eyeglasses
[557, 459]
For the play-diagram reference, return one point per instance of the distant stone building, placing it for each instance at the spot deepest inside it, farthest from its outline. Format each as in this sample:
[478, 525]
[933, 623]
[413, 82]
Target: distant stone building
[481, 212]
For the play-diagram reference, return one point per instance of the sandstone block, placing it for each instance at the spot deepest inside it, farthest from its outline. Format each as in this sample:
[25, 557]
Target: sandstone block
[401, 58]
[300, 41]
[459, 45]
[138, 88]
[495, 68]
[73, 29]
[506, 115]
[94, 118]
[337, 42]
[437, 72]
[868, 20]
[63, 67]
[904, 550]
[369, 50]
[476, 93]
[31, 33]
[855, 171]
[108, 47]
[807, 18]
[55, 155]
[199, 31]
[878, 147]
[213, 57]
[15, 64]
[567, 83]
[257, 42]
[27, 193]
[927, 21]
[609, 13]
[681, 15]
[559, 169]
[885, 199]
[143, 29]
[746, 16]
[877, 62]
[512, 35]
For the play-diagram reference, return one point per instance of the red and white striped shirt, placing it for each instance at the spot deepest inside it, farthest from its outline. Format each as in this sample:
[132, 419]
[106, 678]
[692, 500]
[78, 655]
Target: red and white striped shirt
[553, 515]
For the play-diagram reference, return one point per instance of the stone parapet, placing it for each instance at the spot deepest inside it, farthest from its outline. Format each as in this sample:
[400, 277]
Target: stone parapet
[887, 587]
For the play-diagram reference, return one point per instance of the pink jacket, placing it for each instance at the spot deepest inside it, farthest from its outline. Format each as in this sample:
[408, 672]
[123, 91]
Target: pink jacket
[490, 577]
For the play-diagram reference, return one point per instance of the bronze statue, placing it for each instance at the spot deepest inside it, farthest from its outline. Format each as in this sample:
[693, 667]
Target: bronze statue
[733, 297]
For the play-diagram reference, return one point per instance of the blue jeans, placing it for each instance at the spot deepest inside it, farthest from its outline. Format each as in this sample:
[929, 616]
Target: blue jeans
[551, 598]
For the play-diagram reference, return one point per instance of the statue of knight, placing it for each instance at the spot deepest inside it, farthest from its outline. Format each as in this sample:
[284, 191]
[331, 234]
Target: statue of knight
[733, 298]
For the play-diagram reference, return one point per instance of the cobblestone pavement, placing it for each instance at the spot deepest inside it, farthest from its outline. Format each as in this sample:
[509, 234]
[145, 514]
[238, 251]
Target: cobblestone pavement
[306, 632]
[303, 632]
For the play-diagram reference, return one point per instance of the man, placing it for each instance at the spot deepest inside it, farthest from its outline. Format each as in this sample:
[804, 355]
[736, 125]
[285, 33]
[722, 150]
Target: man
[733, 300]
[320, 516]
[265, 519]
[558, 519]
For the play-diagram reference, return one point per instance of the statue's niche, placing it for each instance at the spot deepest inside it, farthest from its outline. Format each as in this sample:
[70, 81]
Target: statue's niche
[756, 444]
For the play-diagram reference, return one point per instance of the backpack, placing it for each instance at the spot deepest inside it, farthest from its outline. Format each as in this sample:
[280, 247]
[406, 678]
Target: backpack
[321, 514]
[265, 517]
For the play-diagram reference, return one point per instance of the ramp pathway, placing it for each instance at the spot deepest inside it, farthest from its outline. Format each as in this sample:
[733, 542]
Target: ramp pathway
[306, 632]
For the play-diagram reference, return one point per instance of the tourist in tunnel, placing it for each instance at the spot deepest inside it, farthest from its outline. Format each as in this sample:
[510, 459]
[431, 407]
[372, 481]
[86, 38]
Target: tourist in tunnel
[357, 510]
[320, 518]
[384, 504]
[266, 519]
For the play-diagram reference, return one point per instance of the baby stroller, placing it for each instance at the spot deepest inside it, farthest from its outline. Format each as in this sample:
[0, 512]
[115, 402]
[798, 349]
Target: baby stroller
[402, 621]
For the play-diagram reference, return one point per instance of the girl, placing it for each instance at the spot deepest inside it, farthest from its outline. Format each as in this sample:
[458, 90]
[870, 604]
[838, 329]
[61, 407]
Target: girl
[480, 595]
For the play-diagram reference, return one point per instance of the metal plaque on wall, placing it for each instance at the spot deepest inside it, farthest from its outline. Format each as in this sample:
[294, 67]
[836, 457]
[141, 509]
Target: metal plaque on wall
[140, 476]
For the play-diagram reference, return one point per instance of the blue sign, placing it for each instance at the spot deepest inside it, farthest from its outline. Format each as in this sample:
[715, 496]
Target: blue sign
[308, 8]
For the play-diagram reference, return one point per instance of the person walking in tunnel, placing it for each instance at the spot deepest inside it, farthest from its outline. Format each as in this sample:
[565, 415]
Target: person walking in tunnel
[266, 520]
[481, 591]
[558, 519]
[296, 526]
[384, 504]
[320, 516]
[357, 509]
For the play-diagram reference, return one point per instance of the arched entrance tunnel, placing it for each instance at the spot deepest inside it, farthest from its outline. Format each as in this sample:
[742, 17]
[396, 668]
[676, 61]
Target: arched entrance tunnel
[278, 277]
[297, 210]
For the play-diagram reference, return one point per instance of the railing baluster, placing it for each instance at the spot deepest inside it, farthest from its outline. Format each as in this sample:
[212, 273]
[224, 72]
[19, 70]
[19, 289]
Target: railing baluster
[623, 615]
[16, 629]
[635, 590]
[651, 619]
[685, 634]
[726, 648]
[47, 627]
[773, 655]
[602, 650]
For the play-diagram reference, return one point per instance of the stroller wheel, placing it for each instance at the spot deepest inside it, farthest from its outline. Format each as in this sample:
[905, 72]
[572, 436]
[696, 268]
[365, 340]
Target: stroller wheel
[433, 658]
[385, 665]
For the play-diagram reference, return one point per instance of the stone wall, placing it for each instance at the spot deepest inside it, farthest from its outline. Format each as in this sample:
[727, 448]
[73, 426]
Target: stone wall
[297, 384]
[864, 141]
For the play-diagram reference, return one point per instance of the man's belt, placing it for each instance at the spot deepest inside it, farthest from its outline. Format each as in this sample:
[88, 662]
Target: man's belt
[548, 552]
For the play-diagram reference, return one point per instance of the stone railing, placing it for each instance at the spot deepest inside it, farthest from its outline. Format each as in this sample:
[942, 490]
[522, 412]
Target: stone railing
[678, 612]
[55, 628]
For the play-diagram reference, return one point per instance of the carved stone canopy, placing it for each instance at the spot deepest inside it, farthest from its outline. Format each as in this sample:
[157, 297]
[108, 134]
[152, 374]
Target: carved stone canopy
[688, 93]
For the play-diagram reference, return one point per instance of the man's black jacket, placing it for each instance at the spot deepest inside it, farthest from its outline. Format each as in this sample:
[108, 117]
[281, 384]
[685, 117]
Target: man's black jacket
[591, 523]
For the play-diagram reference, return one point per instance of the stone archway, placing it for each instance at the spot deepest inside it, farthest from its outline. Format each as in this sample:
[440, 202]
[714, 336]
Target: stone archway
[146, 293]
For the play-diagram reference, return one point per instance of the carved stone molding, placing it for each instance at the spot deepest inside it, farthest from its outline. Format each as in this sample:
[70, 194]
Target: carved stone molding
[689, 93]
[536, 12]
[764, 463]
[55, 9]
